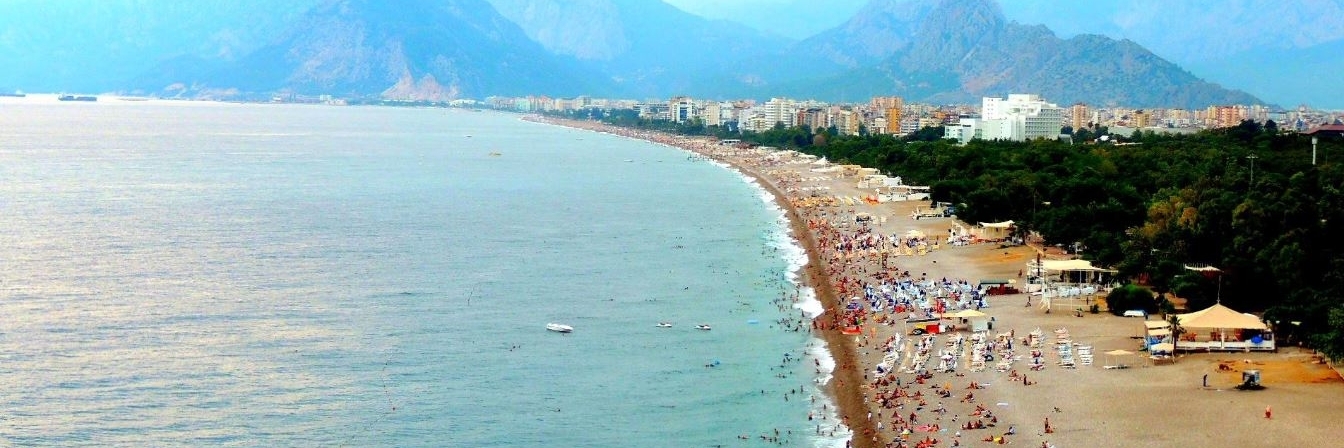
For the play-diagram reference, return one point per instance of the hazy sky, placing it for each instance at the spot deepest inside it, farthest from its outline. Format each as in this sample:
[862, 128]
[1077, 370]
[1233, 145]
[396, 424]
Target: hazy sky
[799, 19]
[790, 18]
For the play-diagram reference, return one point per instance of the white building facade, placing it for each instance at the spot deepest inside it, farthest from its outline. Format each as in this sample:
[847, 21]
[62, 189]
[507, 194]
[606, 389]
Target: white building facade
[1019, 117]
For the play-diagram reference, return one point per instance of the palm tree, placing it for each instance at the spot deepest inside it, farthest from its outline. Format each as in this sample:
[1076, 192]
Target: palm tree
[1176, 331]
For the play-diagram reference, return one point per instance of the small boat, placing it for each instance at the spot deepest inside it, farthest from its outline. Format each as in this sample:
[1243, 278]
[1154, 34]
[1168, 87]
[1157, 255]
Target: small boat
[496, 154]
[559, 328]
[664, 325]
[702, 327]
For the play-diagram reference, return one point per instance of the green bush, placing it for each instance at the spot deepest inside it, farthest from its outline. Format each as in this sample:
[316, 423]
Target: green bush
[1130, 297]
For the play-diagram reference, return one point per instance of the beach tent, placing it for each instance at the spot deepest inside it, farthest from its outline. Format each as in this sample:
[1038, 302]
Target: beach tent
[1219, 316]
[1220, 319]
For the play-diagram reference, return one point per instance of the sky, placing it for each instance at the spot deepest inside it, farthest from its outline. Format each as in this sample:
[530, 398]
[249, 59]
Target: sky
[795, 19]
[799, 19]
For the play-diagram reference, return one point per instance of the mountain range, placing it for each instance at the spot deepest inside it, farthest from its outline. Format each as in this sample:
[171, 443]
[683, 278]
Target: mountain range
[944, 51]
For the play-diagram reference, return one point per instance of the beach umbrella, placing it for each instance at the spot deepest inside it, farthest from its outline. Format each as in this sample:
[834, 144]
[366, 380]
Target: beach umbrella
[1114, 353]
[914, 234]
[967, 314]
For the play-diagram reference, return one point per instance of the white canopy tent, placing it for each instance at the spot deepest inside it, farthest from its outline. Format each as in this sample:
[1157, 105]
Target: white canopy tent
[1221, 328]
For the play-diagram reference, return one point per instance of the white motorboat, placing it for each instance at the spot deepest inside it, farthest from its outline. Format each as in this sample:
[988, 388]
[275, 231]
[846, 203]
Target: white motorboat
[702, 327]
[664, 325]
[559, 328]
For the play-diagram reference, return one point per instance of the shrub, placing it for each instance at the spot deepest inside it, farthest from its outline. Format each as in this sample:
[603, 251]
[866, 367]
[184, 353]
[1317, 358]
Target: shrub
[1130, 297]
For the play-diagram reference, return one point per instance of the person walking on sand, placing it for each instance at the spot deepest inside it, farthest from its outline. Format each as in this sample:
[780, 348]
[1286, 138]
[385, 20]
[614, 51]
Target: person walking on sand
[1268, 412]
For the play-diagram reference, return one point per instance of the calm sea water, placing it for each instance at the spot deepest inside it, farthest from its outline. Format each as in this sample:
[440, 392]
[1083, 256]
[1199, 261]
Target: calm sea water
[189, 274]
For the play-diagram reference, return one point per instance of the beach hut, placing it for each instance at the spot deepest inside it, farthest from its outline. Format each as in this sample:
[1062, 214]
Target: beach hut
[974, 320]
[995, 231]
[1162, 352]
[1156, 332]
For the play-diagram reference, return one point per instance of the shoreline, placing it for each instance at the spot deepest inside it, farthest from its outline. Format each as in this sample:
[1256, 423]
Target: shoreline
[887, 390]
[845, 386]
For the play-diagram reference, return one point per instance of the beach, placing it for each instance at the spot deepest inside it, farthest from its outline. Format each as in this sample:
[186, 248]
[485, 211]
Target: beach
[873, 267]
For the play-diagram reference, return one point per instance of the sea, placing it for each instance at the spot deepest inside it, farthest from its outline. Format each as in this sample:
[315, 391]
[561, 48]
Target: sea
[177, 273]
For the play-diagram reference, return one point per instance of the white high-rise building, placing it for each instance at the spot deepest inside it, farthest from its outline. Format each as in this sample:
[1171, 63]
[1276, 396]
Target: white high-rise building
[681, 109]
[1019, 117]
[780, 110]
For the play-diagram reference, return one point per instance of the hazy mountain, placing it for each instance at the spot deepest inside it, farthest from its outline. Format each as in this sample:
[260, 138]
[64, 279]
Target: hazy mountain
[948, 51]
[1283, 52]
[93, 46]
[966, 49]
[409, 49]
[875, 32]
[649, 47]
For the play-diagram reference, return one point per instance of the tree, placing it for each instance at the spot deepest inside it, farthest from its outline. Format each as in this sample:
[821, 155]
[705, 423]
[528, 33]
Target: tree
[1082, 135]
[1176, 331]
[1130, 297]
[1331, 342]
[927, 134]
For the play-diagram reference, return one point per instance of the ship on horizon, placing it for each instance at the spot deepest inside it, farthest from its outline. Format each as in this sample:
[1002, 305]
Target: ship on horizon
[77, 98]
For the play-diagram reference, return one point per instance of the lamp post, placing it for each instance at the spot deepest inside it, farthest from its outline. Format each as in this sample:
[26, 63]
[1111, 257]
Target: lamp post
[1313, 150]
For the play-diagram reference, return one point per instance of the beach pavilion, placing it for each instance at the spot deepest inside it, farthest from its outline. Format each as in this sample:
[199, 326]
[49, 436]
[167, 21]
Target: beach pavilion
[1223, 329]
[1076, 284]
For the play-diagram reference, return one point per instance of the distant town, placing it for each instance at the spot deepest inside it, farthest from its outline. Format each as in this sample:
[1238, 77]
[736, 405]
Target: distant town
[1017, 117]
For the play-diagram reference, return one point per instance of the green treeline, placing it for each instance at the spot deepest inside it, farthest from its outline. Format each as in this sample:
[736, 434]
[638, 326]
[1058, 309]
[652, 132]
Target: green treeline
[1145, 204]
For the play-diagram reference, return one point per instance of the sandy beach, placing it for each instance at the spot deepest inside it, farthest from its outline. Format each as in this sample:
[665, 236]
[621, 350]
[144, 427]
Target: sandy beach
[931, 393]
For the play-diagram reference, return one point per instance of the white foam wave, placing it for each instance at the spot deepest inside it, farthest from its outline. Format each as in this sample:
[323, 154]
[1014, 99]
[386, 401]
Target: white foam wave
[831, 433]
